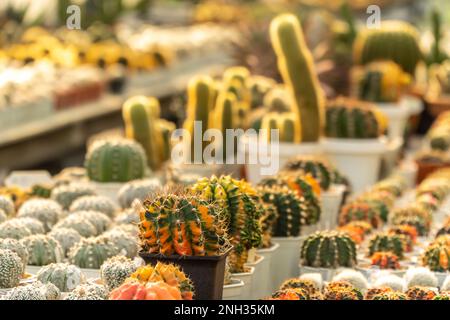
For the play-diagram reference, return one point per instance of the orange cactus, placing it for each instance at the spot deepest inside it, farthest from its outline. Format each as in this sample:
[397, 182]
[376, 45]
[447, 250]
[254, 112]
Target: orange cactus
[134, 290]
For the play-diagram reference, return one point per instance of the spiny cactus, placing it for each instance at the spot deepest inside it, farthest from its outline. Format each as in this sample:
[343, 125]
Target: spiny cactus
[88, 291]
[259, 86]
[319, 168]
[357, 230]
[11, 268]
[66, 194]
[295, 64]
[13, 229]
[94, 203]
[99, 220]
[27, 292]
[116, 270]
[286, 123]
[385, 260]
[181, 224]
[84, 227]
[394, 40]
[105, 161]
[64, 276]
[297, 283]
[242, 208]
[408, 232]
[45, 210]
[372, 292]
[7, 205]
[291, 294]
[328, 249]
[355, 278]
[353, 119]
[125, 242]
[42, 250]
[34, 225]
[420, 293]
[138, 189]
[437, 256]
[92, 252]
[413, 215]
[66, 237]
[360, 211]
[341, 290]
[420, 277]
[16, 247]
[387, 242]
[390, 296]
[267, 222]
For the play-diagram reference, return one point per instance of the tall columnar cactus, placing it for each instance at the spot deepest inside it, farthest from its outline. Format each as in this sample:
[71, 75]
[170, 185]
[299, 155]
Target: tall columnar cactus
[140, 116]
[115, 161]
[296, 66]
[286, 123]
[350, 119]
[201, 94]
[393, 40]
[181, 224]
[436, 55]
[226, 116]
[242, 209]
[387, 242]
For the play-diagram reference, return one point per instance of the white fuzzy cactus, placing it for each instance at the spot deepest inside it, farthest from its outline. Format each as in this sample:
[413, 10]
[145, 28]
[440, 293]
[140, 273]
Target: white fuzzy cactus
[316, 278]
[125, 242]
[99, 220]
[66, 237]
[88, 291]
[7, 205]
[138, 189]
[10, 269]
[63, 275]
[13, 229]
[354, 277]
[95, 203]
[50, 291]
[79, 224]
[420, 277]
[66, 194]
[34, 225]
[45, 210]
[390, 280]
[115, 270]
[15, 246]
[446, 284]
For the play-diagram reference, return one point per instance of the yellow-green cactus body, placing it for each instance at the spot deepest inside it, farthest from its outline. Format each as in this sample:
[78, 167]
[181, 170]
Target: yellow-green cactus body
[287, 123]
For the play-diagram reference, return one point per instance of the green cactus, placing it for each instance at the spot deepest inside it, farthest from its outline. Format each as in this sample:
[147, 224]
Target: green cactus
[296, 66]
[94, 203]
[387, 242]
[42, 250]
[66, 237]
[64, 276]
[437, 256]
[393, 40]
[88, 291]
[125, 242]
[362, 210]
[226, 117]
[328, 249]
[318, 168]
[259, 86]
[67, 193]
[14, 229]
[92, 252]
[115, 161]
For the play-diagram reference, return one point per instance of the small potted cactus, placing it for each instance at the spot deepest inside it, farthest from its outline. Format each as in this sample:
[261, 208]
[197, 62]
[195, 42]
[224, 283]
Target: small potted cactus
[436, 257]
[354, 141]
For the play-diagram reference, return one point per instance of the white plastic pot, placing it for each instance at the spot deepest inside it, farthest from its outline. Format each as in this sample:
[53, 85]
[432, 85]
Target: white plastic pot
[397, 114]
[357, 159]
[392, 155]
[233, 290]
[260, 277]
[331, 203]
[91, 273]
[413, 104]
[285, 260]
[286, 151]
[269, 255]
[246, 278]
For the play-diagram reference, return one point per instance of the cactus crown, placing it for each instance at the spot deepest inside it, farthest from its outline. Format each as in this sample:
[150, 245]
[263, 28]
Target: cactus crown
[387, 242]
[319, 168]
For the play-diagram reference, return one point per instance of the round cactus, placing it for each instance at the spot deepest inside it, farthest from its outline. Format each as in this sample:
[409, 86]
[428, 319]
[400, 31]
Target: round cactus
[79, 224]
[16, 247]
[7, 205]
[408, 232]
[66, 194]
[63, 275]
[92, 252]
[94, 203]
[360, 211]
[341, 290]
[13, 229]
[317, 167]
[66, 237]
[105, 161]
[115, 270]
[45, 210]
[390, 296]
[418, 223]
[328, 249]
[139, 189]
[128, 216]
[387, 242]
[372, 292]
[34, 225]
[89, 291]
[420, 293]
[437, 256]
[99, 220]
[385, 260]
[50, 291]
[413, 211]
[389, 280]
[296, 283]
[420, 277]
[42, 250]
[131, 229]
[11, 268]
[27, 292]
[125, 242]
[355, 278]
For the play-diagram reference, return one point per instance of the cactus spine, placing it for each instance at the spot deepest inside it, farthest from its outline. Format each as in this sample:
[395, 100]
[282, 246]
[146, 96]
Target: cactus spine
[295, 64]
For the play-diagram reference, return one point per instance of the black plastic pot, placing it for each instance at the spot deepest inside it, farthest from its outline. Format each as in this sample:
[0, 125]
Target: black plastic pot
[206, 272]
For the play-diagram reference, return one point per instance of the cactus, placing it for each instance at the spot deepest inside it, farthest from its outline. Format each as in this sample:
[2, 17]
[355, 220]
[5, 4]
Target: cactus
[295, 64]
[66, 237]
[385, 260]
[95, 203]
[139, 189]
[267, 222]
[115, 161]
[413, 215]
[7, 205]
[116, 270]
[390, 296]
[226, 116]
[99, 220]
[125, 242]
[341, 290]
[328, 249]
[387, 242]
[436, 55]
[357, 230]
[297, 283]
[66, 194]
[443, 295]
[64, 276]
[317, 167]
[420, 293]
[42, 250]
[92, 252]
[259, 86]
[381, 81]
[27, 292]
[50, 291]
[346, 118]
[32, 224]
[286, 123]
[393, 40]
[420, 277]
[391, 281]
[408, 232]
[242, 208]
[128, 216]
[355, 278]
[131, 229]
[14, 229]
[180, 224]
[372, 292]
[11, 268]
[79, 224]
[360, 211]
[316, 278]
[46, 211]
[16, 247]
[88, 291]
[437, 256]
[291, 294]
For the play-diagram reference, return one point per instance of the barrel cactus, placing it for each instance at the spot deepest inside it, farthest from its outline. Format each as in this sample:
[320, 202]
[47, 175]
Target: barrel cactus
[385, 260]
[125, 242]
[139, 189]
[11, 268]
[355, 278]
[387, 242]
[66, 237]
[45, 210]
[13, 229]
[95, 203]
[7, 205]
[115, 270]
[317, 167]
[105, 161]
[92, 252]
[34, 225]
[64, 276]
[88, 291]
[390, 296]
[286, 123]
[437, 256]
[67, 193]
[328, 249]
[42, 250]
[360, 211]
[99, 220]
[27, 292]
[413, 215]
[16, 247]
[341, 290]
[84, 227]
